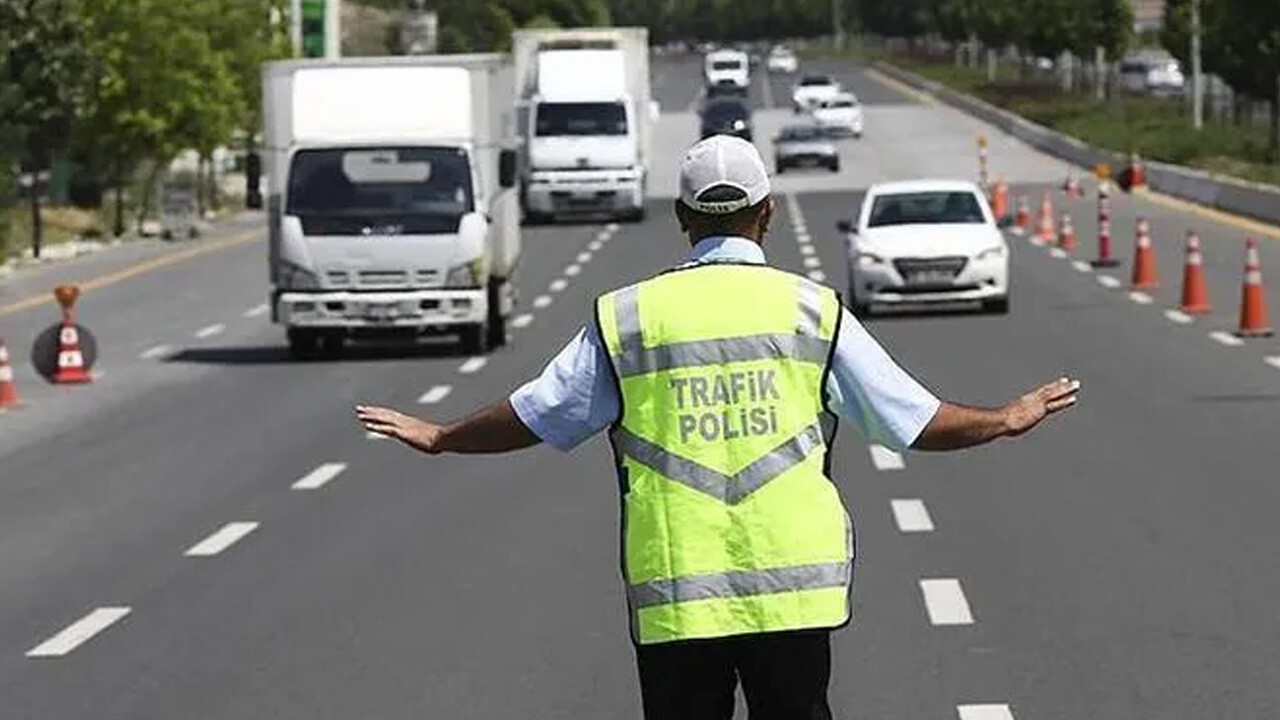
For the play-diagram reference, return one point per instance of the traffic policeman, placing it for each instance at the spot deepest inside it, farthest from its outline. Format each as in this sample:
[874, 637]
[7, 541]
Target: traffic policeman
[720, 382]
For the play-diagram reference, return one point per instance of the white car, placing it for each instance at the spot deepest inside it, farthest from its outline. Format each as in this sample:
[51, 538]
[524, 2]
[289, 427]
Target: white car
[926, 241]
[782, 60]
[842, 115]
[727, 67]
[811, 90]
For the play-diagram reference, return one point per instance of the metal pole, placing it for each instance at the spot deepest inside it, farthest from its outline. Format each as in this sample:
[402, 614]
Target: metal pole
[1197, 77]
[837, 29]
[295, 26]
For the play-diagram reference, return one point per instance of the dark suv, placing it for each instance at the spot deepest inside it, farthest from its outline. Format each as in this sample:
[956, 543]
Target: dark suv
[726, 117]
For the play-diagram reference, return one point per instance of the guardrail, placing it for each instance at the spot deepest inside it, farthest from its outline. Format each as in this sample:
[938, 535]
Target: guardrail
[1255, 200]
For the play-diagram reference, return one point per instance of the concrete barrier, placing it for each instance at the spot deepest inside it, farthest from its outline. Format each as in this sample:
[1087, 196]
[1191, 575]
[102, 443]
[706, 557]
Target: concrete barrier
[1255, 200]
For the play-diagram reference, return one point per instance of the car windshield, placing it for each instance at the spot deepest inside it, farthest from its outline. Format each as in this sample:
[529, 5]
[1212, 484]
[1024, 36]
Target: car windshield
[815, 81]
[422, 189]
[581, 118]
[725, 65]
[803, 133]
[924, 208]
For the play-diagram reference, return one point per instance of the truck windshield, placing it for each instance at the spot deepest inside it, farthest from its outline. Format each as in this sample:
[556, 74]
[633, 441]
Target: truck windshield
[581, 118]
[342, 191]
[726, 65]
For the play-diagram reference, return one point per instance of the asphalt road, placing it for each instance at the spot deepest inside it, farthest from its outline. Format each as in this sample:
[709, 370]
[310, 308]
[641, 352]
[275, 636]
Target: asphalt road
[1118, 563]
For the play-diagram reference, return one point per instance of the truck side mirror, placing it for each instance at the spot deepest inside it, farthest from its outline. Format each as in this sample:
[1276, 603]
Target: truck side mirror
[252, 181]
[507, 168]
[845, 226]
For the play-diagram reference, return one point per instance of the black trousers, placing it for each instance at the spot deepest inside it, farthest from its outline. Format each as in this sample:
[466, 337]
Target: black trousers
[784, 677]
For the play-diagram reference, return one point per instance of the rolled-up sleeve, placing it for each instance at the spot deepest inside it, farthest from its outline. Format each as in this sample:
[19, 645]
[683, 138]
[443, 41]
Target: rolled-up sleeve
[574, 398]
[866, 386]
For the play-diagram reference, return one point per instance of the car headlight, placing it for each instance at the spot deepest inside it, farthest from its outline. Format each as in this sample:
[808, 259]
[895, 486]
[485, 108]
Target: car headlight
[991, 253]
[295, 277]
[467, 275]
[866, 259]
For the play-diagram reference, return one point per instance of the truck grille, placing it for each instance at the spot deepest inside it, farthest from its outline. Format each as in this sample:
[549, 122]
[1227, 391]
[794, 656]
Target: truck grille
[383, 277]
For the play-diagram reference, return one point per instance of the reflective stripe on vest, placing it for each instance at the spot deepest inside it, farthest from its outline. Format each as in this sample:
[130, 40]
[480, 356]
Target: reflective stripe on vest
[730, 525]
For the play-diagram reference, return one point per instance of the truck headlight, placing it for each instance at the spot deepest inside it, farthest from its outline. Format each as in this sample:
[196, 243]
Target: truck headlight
[467, 275]
[296, 277]
[991, 254]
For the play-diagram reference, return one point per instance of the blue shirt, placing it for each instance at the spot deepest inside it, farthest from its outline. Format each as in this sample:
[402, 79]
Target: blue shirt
[576, 397]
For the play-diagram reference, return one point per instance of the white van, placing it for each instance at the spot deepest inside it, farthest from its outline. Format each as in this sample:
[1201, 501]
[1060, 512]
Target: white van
[728, 67]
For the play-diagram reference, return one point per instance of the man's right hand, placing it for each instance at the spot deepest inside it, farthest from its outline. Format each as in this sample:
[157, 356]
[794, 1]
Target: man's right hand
[418, 434]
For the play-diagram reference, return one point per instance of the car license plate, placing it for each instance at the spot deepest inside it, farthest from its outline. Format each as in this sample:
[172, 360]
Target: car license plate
[929, 277]
[381, 312]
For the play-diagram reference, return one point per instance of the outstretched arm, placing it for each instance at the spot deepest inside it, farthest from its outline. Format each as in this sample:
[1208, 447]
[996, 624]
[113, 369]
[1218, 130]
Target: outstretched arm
[494, 429]
[955, 427]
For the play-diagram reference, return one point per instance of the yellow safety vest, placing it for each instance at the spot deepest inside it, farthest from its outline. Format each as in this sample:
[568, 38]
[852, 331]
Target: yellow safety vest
[730, 523]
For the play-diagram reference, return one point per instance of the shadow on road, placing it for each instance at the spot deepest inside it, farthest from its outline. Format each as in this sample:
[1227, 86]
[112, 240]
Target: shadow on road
[279, 354]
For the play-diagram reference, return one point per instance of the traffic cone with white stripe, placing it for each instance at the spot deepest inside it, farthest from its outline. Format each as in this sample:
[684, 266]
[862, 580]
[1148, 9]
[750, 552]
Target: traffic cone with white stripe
[1067, 235]
[1023, 219]
[8, 388]
[1253, 303]
[71, 369]
[1046, 234]
[1195, 292]
[1145, 275]
[1071, 186]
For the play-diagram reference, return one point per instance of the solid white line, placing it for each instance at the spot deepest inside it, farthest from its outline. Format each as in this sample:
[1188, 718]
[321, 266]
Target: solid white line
[985, 712]
[158, 351]
[1140, 297]
[817, 276]
[210, 330]
[79, 632]
[1081, 266]
[1178, 316]
[473, 365]
[257, 310]
[573, 270]
[1108, 281]
[1225, 338]
[1273, 361]
[1057, 252]
[885, 459]
[435, 394]
[595, 245]
[223, 538]
[558, 284]
[812, 262]
[522, 321]
[911, 516]
[807, 250]
[542, 301]
[945, 602]
[319, 477]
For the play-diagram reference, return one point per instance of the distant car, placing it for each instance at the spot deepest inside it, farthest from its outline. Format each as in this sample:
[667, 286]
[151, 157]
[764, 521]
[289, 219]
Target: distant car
[782, 60]
[842, 115]
[926, 241]
[811, 89]
[803, 145]
[727, 67]
[726, 117]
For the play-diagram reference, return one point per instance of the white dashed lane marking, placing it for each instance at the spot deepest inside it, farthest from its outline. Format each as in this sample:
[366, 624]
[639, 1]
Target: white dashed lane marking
[558, 284]
[522, 321]
[1057, 253]
[79, 632]
[611, 228]
[573, 270]
[223, 538]
[584, 257]
[885, 459]
[817, 276]
[985, 712]
[257, 310]
[156, 353]
[1081, 266]
[812, 263]
[1177, 316]
[320, 477]
[473, 365]
[435, 394]
[595, 245]
[542, 301]
[210, 330]
[1225, 338]
[911, 515]
[1140, 297]
[1108, 281]
[807, 250]
[1273, 361]
[803, 237]
[945, 602]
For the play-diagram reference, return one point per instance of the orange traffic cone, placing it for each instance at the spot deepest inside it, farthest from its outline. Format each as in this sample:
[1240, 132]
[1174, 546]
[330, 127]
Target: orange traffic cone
[71, 370]
[1000, 200]
[1023, 219]
[1071, 186]
[8, 389]
[1195, 293]
[1046, 234]
[1145, 275]
[1067, 234]
[1137, 171]
[1253, 303]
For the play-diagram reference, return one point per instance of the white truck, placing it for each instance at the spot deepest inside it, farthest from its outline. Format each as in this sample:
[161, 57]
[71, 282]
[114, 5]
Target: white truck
[391, 203]
[583, 103]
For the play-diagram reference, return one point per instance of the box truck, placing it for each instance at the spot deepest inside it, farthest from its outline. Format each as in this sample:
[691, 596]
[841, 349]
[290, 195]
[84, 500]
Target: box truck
[392, 201]
[584, 107]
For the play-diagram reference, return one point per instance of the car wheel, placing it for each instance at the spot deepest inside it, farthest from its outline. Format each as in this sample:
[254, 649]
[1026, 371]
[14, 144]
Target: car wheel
[859, 310]
[497, 325]
[303, 343]
[779, 168]
[999, 306]
[474, 339]
[834, 166]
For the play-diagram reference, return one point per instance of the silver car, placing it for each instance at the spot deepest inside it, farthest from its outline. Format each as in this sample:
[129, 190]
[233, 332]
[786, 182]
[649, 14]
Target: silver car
[804, 145]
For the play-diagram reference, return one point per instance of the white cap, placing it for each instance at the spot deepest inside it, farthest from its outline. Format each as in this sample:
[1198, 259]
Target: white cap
[727, 166]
